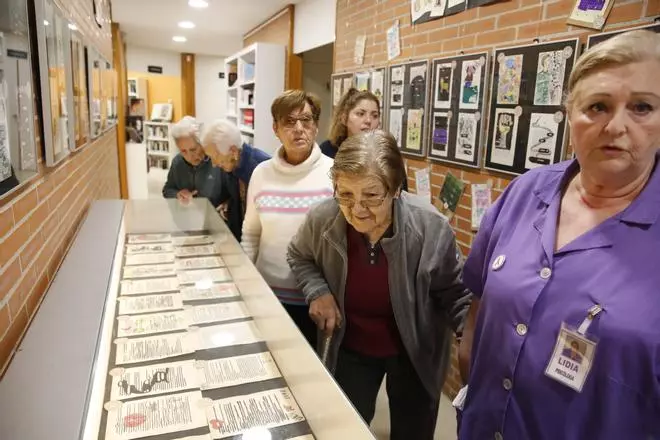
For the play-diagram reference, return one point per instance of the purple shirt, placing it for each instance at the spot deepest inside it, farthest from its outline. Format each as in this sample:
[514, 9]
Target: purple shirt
[525, 301]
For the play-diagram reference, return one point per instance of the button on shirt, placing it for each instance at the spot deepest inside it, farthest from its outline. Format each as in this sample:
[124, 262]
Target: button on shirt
[525, 302]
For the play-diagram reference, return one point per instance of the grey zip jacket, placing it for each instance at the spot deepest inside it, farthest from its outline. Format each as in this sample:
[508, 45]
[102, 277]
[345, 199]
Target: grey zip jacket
[427, 293]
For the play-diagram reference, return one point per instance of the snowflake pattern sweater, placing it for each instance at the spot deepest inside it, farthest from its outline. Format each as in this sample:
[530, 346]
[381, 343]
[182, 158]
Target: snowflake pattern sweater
[279, 197]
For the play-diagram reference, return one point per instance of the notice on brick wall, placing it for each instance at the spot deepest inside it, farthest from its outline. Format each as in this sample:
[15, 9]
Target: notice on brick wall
[480, 203]
[393, 41]
[423, 183]
[360, 45]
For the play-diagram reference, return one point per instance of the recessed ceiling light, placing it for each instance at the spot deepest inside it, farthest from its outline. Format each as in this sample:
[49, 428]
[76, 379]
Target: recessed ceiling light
[179, 39]
[73, 27]
[46, 23]
[186, 24]
[198, 4]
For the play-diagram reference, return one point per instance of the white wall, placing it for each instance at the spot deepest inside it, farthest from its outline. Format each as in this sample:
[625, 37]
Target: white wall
[210, 90]
[138, 58]
[317, 68]
[314, 24]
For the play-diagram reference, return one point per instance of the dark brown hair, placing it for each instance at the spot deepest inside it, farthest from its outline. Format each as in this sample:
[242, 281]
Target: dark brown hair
[292, 100]
[375, 153]
[338, 130]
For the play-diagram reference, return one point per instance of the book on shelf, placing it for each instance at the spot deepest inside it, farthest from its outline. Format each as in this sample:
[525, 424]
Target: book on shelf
[248, 118]
[248, 72]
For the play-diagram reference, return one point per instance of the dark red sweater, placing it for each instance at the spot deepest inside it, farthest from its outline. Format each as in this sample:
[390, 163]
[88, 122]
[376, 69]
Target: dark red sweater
[370, 326]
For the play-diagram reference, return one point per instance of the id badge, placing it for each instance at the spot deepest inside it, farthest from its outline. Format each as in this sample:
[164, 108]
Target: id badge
[572, 358]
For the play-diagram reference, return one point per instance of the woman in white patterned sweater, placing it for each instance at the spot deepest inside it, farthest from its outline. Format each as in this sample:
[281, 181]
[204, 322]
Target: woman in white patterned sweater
[281, 191]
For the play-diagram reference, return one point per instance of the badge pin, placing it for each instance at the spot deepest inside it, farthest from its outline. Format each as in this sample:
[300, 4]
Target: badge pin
[499, 262]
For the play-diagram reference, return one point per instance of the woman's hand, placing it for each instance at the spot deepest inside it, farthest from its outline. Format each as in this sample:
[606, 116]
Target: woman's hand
[325, 313]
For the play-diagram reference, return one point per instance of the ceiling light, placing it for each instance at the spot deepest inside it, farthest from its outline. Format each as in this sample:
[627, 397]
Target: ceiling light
[179, 39]
[73, 27]
[186, 24]
[46, 23]
[198, 4]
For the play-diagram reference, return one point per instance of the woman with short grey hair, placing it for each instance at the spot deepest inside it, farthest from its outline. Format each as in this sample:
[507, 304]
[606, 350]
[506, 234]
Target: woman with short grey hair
[191, 173]
[382, 274]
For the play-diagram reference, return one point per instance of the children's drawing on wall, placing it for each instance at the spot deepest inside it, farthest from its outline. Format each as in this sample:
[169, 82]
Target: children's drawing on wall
[418, 86]
[347, 83]
[510, 74]
[440, 134]
[362, 81]
[470, 84]
[414, 129]
[396, 86]
[396, 124]
[336, 91]
[443, 83]
[376, 86]
[550, 78]
[505, 130]
[542, 140]
[467, 137]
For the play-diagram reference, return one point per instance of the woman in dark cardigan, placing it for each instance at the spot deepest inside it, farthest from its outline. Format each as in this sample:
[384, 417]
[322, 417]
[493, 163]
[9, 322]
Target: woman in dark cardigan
[358, 111]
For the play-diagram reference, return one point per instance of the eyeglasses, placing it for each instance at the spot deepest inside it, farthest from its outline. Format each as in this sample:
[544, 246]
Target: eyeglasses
[306, 120]
[370, 203]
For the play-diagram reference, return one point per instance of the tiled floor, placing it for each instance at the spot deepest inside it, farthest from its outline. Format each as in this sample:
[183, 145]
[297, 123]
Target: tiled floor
[446, 426]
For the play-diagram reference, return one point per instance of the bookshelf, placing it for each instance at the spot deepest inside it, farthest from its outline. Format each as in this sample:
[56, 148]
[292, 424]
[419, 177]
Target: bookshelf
[161, 148]
[255, 77]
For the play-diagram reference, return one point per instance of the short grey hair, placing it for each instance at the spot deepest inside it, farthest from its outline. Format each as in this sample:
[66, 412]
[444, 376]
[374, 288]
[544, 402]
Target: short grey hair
[186, 127]
[222, 134]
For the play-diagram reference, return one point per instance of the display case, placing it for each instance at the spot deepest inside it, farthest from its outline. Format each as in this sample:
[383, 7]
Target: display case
[18, 158]
[176, 335]
[80, 97]
[53, 39]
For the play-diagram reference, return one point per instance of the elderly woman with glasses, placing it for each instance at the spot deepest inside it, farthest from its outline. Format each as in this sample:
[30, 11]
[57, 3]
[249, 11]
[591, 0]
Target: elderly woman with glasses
[382, 274]
[281, 191]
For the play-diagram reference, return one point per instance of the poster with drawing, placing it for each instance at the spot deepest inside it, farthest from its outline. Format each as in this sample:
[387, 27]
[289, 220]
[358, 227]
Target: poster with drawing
[393, 41]
[362, 81]
[396, 86]
[471, 74]
[542, 139]
[510, 75]
[347, 83]
[377, 85]
[396, 124]
[599, 37]
[407, 105]
[414, 129]
[466, 137]
[528, 127]
[5, 158]
[440, 136]
[505, 131]
[456, 130]
[418, 86]
[336, 91]
[443, 85]
[550, 73]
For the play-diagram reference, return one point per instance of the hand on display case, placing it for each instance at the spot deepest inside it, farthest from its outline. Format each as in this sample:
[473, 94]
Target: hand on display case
[185, 196]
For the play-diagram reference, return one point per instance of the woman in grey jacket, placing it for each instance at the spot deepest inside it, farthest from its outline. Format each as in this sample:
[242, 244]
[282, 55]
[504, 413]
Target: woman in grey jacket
[382, 275]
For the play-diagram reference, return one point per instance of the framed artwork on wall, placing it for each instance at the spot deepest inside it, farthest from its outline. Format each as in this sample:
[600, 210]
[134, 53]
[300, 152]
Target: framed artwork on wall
[94, 92]
[53, 37]
[528, 123]
[80, 97]
[406, 105]
[602, 36]
[457, 115]
[18, 153]
[340, 83]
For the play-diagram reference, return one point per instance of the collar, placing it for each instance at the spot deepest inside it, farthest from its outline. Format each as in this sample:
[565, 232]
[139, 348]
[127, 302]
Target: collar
[283, 166]
[644, 210]
[244, 159]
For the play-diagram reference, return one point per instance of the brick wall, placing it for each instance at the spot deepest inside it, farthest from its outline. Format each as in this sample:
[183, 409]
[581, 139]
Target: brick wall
[501, 24]
[38, 223]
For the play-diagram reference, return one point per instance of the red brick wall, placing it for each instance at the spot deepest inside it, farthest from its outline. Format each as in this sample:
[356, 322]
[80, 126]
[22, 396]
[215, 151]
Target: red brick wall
[501, 24]
[37, 224]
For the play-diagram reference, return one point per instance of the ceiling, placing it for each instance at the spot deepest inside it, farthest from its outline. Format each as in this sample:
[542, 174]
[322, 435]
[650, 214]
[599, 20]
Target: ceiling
[219, 28]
